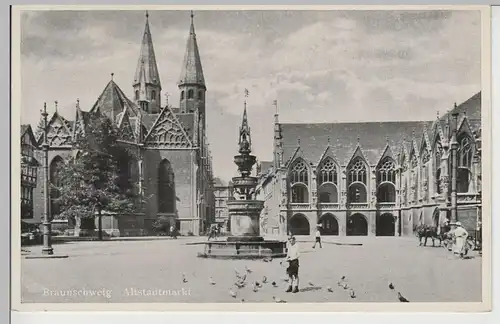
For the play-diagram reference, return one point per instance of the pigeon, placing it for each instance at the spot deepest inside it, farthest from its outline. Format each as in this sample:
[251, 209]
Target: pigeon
[274, 284]
[232, 293]
[239, 284]
[311, 284]
[237, 273]
[257, 284]
[391, 286]
[242, 300]
[286, 279]
[212, 281]
[255, 288]
[248, 270]
[352, 293]
[277, 300]
[402, 299]
[184, 279]
[343, 278]
[345, 286]
[329, 289]
[264, 279]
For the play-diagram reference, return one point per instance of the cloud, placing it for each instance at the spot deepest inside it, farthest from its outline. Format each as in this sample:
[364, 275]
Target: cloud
[319, 65]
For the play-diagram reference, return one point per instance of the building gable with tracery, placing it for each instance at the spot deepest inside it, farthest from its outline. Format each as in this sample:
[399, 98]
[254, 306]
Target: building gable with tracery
[169, 156]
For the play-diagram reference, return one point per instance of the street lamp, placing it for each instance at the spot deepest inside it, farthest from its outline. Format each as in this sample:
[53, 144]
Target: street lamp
[47, 250]
[47, 244]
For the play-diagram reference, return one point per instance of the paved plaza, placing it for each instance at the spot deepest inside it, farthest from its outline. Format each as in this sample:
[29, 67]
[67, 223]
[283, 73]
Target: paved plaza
[151, 271]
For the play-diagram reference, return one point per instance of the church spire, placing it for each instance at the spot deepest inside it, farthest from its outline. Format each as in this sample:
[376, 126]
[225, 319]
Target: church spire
[245, 140]
[192, 71]
[148, 70]
[191, 81]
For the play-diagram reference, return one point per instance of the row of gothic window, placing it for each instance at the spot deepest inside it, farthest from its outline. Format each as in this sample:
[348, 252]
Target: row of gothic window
[166, 196]
[190, 94]
[153, 95]
[386, 177]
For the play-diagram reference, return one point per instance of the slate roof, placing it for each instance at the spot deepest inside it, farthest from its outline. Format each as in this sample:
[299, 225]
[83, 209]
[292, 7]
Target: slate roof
[113, 101]
[24, 128]
[373, 138]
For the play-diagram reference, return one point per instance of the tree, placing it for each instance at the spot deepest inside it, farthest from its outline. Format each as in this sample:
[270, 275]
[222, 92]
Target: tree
[93, 182]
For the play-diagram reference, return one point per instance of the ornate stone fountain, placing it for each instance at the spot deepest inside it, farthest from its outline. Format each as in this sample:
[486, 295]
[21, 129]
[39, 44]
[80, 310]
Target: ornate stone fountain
[244, 212]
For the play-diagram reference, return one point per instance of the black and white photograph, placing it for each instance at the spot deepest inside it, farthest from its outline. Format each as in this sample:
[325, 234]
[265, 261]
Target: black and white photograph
[203, 156]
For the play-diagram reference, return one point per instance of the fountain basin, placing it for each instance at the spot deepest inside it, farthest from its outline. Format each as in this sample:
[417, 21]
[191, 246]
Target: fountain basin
[244, 250]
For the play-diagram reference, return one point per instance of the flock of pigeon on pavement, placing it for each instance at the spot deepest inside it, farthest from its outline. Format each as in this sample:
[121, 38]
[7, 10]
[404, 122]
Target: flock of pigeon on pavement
[242, 281]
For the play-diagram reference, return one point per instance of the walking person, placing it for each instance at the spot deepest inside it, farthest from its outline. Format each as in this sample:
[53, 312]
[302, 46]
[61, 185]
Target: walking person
[173, 231]
[212, 232]
[292, 258]
[318, 237]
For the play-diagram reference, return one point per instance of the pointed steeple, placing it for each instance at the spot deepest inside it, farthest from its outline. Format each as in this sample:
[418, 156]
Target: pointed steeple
[192, 71]
[147, 78]
[147, 55]
[192, 82]
[245, 140]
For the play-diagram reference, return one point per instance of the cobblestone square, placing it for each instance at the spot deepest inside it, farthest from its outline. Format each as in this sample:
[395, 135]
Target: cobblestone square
[151, 271]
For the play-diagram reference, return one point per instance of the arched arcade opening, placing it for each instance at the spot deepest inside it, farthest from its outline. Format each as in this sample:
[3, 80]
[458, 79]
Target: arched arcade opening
[329, 225]
[357, 225]
[299, 225]
[385, 225]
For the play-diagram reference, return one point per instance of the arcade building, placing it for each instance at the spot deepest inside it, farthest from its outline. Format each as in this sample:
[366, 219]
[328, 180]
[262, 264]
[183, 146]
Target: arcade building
[374, 178]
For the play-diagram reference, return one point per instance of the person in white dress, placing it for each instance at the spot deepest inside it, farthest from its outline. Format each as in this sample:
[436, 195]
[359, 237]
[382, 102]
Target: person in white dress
[460, 240]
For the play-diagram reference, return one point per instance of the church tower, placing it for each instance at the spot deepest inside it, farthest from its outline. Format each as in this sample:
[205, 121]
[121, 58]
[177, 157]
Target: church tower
[147, 86]
[192, 81]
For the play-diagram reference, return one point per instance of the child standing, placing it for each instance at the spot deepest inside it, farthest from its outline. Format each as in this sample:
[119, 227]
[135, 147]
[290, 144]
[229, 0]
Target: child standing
[292, 258]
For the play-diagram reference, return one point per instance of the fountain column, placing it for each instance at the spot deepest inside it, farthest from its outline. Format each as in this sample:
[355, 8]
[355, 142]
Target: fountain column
[244, 212]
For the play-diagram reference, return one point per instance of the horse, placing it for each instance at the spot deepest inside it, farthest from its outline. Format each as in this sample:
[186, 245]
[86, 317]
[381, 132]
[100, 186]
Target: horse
[427, 231]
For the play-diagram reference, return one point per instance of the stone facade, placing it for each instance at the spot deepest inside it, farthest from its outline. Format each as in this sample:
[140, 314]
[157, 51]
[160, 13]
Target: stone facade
[29, 171]
[169, 155]
[373, 178]
[222, 194]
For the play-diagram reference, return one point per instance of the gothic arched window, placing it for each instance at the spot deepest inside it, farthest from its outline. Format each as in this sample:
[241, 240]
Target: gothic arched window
[356, 172]
[166, 188]
[136, 94]
[153, 95]
[182, 94]
[425, 172]
[356, 182]
[190, 94]
[464, 154]
[327, 182]
[414, 177]
[299, 173]
[200, 95]
[55, 181]
[386, 181]
[299, 180]
[437, 166]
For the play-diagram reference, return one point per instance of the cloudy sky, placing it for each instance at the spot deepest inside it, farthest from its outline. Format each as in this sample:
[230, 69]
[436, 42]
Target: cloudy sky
[321, 66]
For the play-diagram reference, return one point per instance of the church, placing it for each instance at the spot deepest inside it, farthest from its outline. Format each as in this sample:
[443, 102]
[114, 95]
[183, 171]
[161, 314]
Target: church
[170, 158]
[374, 178]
